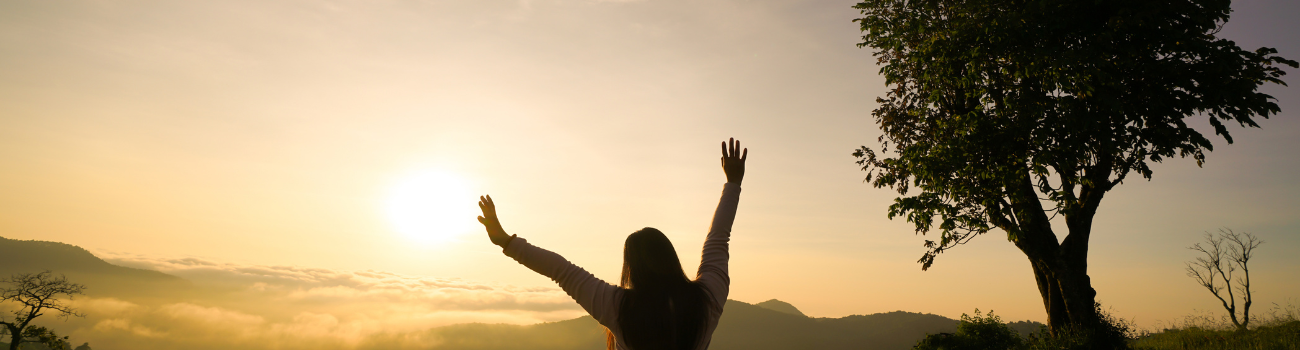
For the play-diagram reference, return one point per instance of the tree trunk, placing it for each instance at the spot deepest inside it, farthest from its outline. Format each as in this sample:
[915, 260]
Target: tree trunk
[1050, 290]
[1060, 266]
[15, 336]
[1067, 295]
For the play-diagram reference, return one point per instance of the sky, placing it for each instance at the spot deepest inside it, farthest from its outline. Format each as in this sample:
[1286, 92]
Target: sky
[275, 134]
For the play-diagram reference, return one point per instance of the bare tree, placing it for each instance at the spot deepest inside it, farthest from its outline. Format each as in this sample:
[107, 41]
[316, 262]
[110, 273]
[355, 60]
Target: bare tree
[35, 295]
[1226, 253]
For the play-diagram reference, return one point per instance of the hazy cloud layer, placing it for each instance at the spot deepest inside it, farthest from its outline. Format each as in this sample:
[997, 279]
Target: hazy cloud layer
[289, 307]
[295, 284]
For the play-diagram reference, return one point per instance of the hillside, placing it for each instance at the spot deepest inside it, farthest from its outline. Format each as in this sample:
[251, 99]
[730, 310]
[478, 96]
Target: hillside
[746, 326]
[80, 266]
[772, 324]
[780, 306]
[743, 326]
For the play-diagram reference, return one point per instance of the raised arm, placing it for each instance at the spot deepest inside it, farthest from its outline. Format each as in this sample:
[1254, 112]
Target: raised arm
[596, 296]
[713, 273]
[495, 232]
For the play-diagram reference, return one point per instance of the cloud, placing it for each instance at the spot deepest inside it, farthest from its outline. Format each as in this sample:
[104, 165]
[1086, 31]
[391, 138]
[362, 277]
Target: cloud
[290, 307]
[293, 284]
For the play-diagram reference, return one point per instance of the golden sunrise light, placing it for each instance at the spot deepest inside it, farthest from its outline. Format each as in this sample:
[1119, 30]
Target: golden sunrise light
[303, 174]
[431, 206]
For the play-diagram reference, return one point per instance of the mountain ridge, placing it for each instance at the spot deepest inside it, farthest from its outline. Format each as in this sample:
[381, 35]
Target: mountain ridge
[743, 326]
[780, 306]
[768, 325]
[81, 266]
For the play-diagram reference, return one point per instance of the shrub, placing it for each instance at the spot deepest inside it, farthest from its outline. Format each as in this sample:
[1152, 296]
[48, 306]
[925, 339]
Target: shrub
[1110, 332]
[974, 332]
[989, 332]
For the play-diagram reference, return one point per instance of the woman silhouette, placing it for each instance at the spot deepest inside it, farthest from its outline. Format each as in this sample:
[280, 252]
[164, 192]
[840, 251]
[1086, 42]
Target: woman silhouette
[655, 305]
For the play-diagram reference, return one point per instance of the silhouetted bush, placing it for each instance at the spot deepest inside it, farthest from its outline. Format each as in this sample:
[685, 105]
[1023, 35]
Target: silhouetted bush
[974, 332]
[989, 332]
[1108, 333]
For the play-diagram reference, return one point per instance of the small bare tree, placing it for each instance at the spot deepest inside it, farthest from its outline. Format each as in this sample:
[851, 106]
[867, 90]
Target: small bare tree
[1226, 253]
[35, 295]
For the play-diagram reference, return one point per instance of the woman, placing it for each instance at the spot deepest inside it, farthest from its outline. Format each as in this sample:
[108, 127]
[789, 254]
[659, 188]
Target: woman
[655, 305]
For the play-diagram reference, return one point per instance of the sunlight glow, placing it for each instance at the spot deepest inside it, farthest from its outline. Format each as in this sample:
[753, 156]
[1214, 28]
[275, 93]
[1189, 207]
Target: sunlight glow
[432, 206]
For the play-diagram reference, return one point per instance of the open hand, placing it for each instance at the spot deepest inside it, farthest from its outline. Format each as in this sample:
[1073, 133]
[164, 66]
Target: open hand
[491, 223]
[733, 161]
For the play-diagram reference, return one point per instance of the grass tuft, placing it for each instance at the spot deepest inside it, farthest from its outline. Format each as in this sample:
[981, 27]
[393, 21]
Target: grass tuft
[1280, 330]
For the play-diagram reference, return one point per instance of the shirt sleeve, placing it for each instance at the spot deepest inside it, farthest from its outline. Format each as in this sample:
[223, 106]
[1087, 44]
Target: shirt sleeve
[597, 297]
[713, 275]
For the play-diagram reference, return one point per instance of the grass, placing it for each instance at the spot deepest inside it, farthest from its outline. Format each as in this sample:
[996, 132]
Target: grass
[1278, 330]
[1279, 336]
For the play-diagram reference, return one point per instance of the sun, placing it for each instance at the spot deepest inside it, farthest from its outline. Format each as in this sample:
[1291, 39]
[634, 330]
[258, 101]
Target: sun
[432, 206]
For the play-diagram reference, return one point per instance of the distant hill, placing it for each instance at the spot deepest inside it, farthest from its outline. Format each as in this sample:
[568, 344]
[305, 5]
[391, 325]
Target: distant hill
[769, 325]
[746, 326]
[581, 333]
[80, 266]
[1025, 328]
[743, 326]
[779, 306]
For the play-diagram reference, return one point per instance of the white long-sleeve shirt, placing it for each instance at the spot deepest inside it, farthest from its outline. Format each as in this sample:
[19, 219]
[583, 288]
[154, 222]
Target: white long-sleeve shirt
[602, 299]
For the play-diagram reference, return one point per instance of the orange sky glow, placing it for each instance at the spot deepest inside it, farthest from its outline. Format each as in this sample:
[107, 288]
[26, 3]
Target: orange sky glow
[251, 133]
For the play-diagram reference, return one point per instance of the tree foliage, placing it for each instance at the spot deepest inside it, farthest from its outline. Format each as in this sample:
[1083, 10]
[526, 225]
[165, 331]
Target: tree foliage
[991, 97]
[997, 107]
[47, 337]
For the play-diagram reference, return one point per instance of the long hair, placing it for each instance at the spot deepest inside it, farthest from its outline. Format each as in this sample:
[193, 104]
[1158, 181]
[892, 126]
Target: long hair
[661, 307]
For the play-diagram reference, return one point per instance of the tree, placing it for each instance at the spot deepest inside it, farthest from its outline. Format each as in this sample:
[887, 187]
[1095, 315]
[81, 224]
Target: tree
[1226, 253]
[46, 336]
[36, 294]
[1008, 114]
